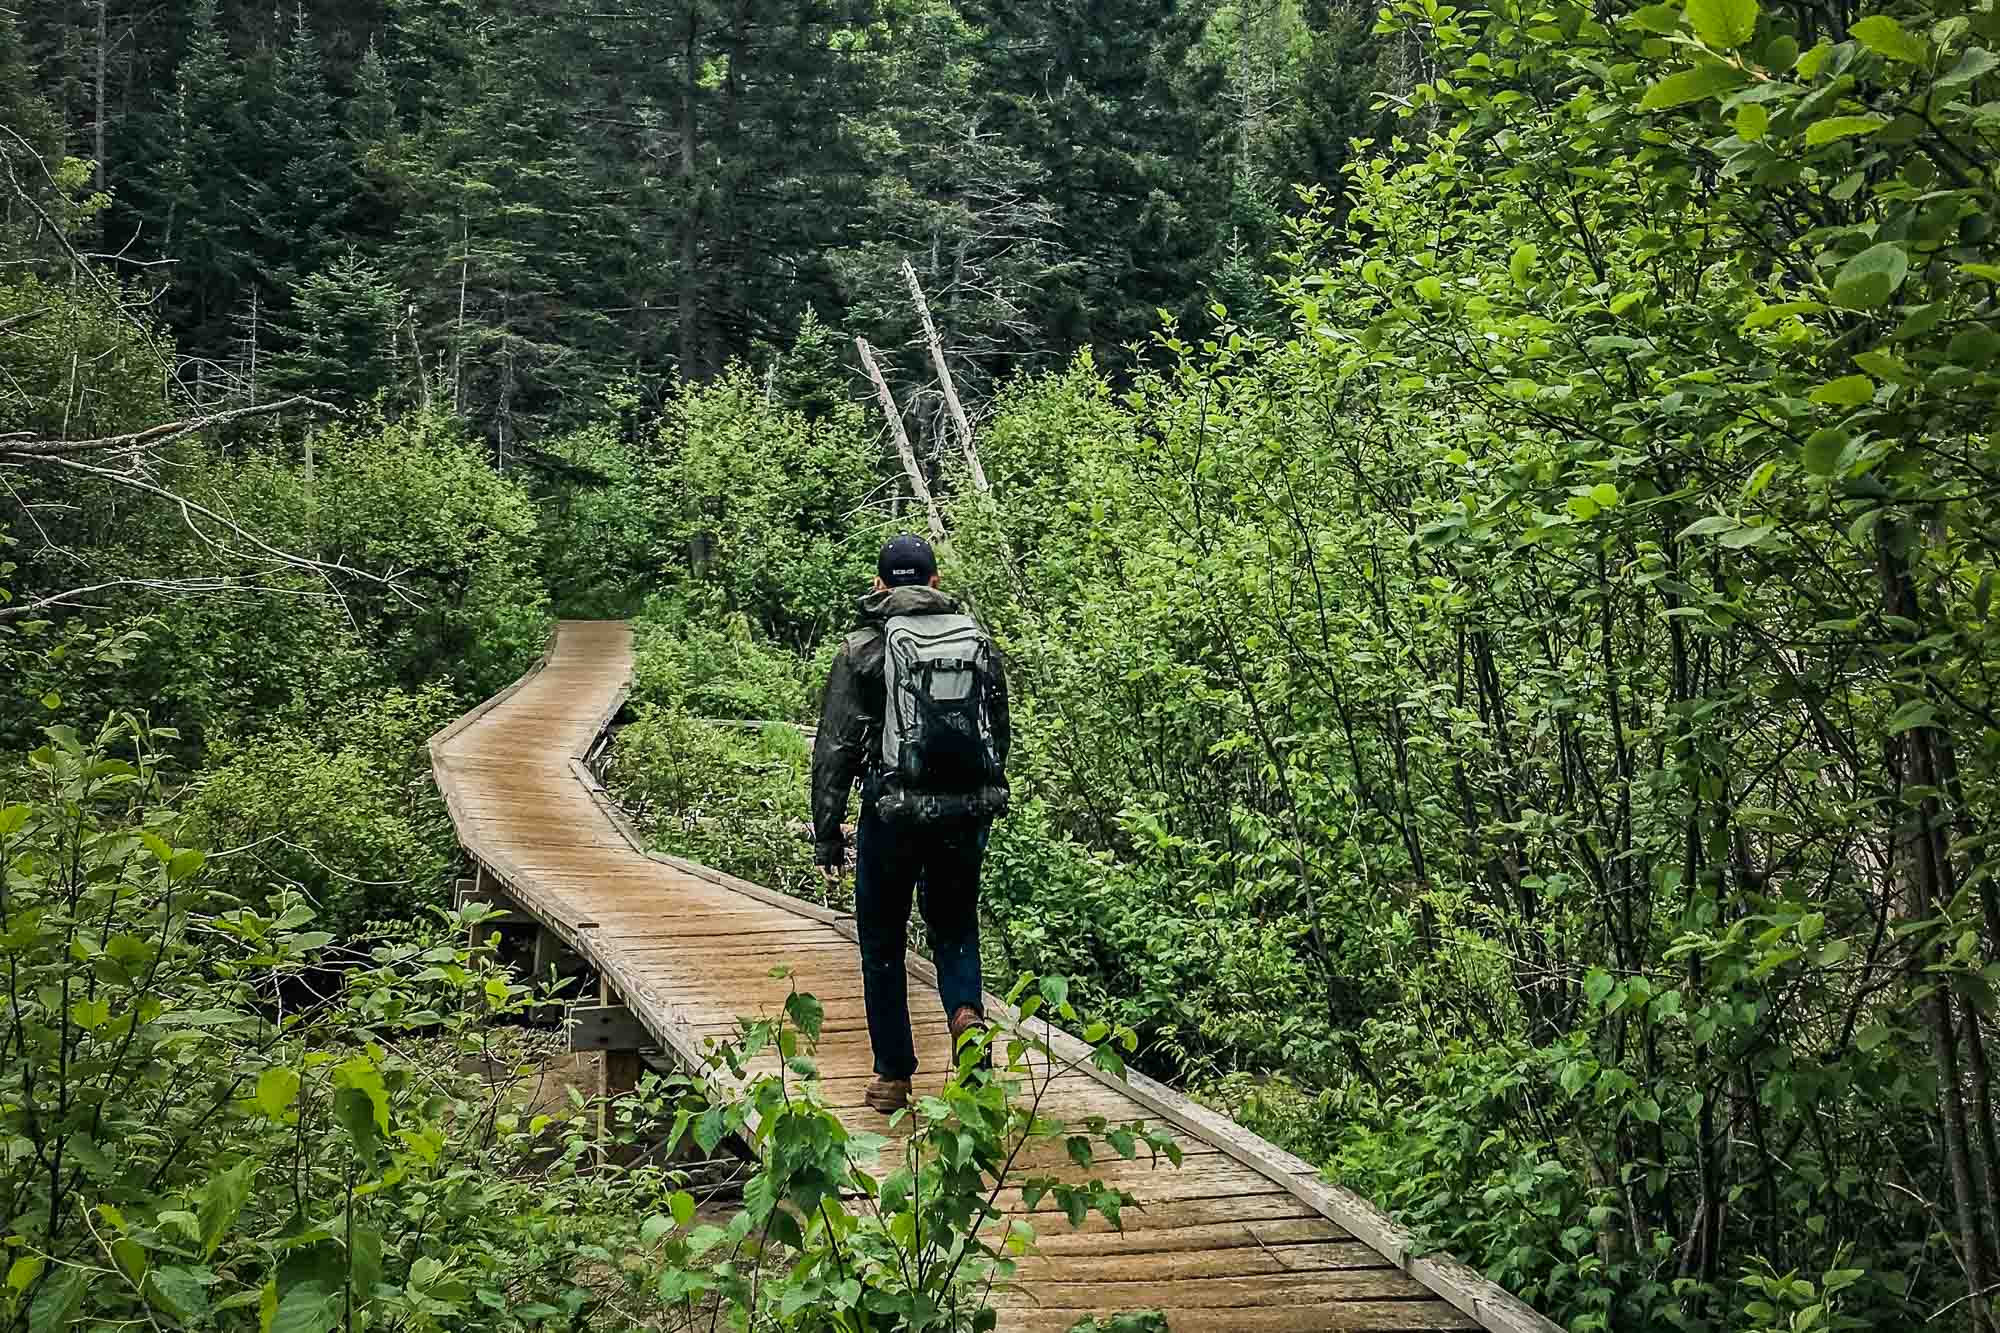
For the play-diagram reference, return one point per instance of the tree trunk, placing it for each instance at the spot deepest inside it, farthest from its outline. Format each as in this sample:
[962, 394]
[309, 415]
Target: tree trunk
[918, 485]
[103, 58]
[951, 402]
[1926, 871]
[690, 333]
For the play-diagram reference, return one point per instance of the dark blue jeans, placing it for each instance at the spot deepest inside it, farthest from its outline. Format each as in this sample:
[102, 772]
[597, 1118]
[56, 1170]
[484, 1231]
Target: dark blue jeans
[939, 867]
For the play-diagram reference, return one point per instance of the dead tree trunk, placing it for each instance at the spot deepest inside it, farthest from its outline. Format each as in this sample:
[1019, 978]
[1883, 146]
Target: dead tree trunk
[889, 409]
[690, 214]
[951, 402]
[103, 57]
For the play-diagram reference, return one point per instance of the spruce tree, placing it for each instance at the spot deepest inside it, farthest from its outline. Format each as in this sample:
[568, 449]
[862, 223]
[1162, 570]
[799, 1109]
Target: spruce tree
[30, 150]
[339, 335]
[208, 197]
[305, 208]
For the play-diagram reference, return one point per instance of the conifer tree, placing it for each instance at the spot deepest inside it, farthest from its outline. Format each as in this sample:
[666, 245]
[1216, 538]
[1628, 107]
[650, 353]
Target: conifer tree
[30, 148]
[305, 207]
[339, 336]
[204, 189]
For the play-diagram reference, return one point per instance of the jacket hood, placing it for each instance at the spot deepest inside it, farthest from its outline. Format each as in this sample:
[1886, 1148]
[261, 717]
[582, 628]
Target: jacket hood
[914, 600]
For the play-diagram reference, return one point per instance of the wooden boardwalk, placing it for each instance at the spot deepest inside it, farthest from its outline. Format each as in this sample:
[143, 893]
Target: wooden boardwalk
[1242, 1237]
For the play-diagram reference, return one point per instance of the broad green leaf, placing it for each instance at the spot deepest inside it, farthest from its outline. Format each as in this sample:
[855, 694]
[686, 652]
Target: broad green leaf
[806, 1013]
[1523, 263]
[1916, 713]
[1976, 62]
[1752, 119]
[1759, 479]
[1723, 24]
[1871, 277]
[177, 1292]
[356, 1114]
[1783, 311]
[1847, 391]
[21, 1274]
[1704, 527]
[1656, 18]
[1886, 37]
[1692, 85]
[222, 1199]
[56, 1301]
[1822, 452]
[277, 1088]
[681, 1204]
[1749, 535]
[11, 819]
[1842, 127]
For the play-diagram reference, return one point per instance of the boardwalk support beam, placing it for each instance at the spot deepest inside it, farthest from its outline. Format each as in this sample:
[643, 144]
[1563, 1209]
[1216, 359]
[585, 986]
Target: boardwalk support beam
[607, 1027]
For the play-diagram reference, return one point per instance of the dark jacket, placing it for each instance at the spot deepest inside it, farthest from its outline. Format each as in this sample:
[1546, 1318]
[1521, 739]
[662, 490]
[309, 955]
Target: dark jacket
[850, 716]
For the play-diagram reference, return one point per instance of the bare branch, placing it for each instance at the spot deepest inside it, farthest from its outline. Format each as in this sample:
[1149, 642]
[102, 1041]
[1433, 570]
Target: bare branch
[21, 446]
[326, 570]
[215, 583]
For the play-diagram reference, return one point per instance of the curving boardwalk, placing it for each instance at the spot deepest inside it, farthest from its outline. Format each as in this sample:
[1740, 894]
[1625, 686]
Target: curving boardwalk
[1242, 1237]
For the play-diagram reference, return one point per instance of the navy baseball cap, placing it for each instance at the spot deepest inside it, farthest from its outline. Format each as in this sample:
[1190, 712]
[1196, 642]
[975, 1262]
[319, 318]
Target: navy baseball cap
[906, 559]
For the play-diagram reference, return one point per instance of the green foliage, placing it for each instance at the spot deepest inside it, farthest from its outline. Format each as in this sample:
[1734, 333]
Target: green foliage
[881, 1233]
[765, 505]
[75, 363]
[724, 797]
[344, 816]
[597, 522]
[340, 335]
[190, 1146]
[414, 498]
[189, 1143]
[1552, 673]
[717, 671]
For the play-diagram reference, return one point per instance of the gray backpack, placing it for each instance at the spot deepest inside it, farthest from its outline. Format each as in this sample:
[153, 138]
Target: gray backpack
[941, 675]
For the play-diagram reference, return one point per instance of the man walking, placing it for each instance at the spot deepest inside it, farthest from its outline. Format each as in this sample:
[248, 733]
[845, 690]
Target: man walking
[916, 707]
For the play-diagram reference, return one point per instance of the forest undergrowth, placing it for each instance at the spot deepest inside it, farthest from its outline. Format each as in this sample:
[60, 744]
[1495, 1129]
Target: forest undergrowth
[1504, 687]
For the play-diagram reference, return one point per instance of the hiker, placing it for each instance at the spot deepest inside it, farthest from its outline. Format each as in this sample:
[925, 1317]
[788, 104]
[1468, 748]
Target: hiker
[916, 707]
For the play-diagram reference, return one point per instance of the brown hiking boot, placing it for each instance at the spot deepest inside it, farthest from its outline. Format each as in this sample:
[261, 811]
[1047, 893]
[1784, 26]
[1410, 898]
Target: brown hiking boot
[887, 1095]
[967, 1019]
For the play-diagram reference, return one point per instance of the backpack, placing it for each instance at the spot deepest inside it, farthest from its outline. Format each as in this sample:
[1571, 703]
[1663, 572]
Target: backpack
[938, 757]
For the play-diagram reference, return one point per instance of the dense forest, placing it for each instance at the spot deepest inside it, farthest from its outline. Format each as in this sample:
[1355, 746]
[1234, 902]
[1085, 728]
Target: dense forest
[1491, 511]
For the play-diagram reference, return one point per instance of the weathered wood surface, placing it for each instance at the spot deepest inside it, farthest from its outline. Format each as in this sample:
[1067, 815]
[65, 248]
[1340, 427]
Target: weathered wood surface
[1244, 1236]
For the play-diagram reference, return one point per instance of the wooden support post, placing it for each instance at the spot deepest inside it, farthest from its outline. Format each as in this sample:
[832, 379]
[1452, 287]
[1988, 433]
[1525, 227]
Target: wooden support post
[918, 485]
[617, 1035]
[552, 951]
[957, 409]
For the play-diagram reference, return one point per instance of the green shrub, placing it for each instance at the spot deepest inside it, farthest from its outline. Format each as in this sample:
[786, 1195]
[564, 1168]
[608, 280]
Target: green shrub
[717, 671]
[345, 817]
[728, 798]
